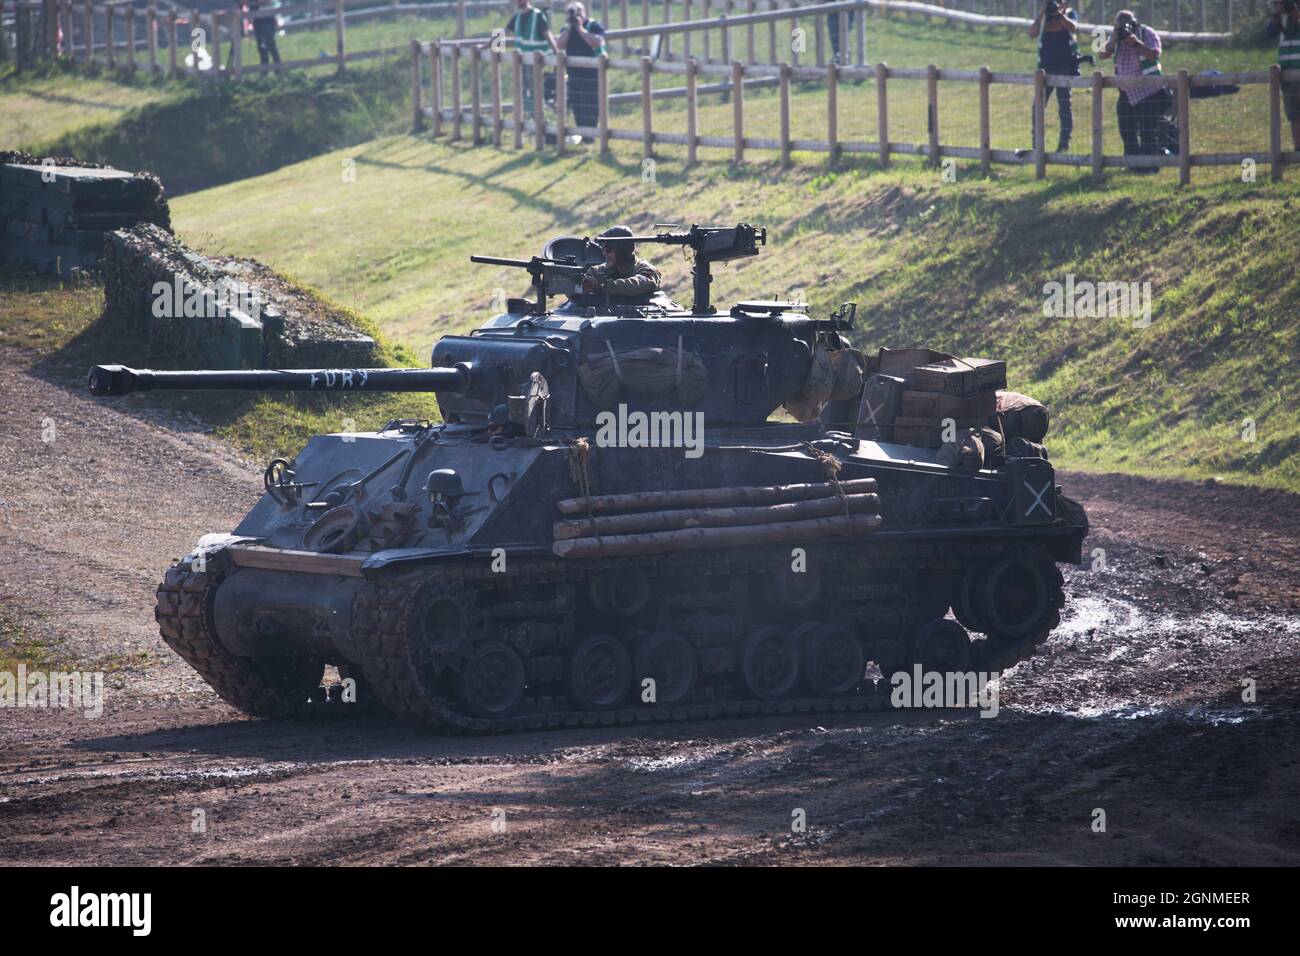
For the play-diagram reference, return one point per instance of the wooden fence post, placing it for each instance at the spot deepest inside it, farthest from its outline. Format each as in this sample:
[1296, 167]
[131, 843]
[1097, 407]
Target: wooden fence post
[195, 21]
[417, 89]
[602, 105]
[561, 101]
[517, 84]
[539, 102]
[151, 24]
[623, 13]
[647, 119]
[785, 113]
[862, 36]
[460, 19]
[88, 33]
[214, 23]
[932, 100]
[692, 113]
[686, 37]
[110, 52]
[237, 38]
[772, 58]
[882, 112]
[476, 93]
[704, 34]
[435, 77]
[1098, 80]
[497, 122]
[738, 110]
[65, 18]
[986, 153]
[171, 47]
[819, 31]
[833, 112]
[340, 28]
[1275, 122]
[456, 117]
[751, 53]
[1040, 154]
[130, 39]
[1184, 130]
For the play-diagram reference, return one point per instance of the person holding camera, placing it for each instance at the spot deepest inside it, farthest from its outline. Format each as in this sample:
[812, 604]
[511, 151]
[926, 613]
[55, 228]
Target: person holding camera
[531, 30]
[1285, 25]
[582, 37]
[1144, 125]
[1058, 55]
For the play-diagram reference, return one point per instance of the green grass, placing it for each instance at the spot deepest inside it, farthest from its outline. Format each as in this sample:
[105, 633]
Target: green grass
[959, 266]
[58, 102]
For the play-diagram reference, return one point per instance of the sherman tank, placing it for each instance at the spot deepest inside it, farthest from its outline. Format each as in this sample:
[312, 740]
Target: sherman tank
[613, 524]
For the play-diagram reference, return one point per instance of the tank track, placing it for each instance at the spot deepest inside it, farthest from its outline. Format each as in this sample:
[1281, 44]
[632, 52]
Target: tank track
[184, 615]
[382, 622]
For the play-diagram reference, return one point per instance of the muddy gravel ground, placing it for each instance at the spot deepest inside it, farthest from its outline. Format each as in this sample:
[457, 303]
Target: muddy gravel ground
[1134, 707]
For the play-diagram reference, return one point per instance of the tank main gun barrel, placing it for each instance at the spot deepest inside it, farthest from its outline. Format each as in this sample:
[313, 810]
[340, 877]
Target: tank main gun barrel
[119, 380]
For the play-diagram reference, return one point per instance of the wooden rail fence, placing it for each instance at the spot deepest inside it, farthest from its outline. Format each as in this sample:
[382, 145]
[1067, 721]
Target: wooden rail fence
[126, 35]
[489, 122]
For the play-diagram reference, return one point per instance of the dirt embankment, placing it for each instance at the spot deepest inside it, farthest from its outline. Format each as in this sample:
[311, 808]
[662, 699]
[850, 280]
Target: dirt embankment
[1133, 707]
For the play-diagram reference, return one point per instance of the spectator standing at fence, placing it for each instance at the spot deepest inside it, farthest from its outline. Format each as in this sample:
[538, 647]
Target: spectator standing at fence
[1285, 25]
[833, 28]
[1058, 55]
[265, 25]
[1142, 113]
[582, 37]
[531, 30]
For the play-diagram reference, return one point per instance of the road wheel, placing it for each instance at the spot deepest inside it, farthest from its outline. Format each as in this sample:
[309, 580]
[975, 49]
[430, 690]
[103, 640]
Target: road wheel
[671, 661]
[833, 660]
[600, 672]
[1016, 597]
[491, 682]
[769, 663]
[942, 646]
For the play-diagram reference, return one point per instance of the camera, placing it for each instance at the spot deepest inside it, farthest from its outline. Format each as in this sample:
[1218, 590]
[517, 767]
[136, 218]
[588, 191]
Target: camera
[1129, 28]
[1052, 9]
[1289, 6]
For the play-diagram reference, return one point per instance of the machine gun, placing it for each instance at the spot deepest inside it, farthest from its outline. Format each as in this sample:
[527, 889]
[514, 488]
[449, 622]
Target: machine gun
[550, 276]
[710, 244]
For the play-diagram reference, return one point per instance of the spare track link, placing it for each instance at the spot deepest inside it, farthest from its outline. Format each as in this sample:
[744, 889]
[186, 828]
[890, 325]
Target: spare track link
[380, 628]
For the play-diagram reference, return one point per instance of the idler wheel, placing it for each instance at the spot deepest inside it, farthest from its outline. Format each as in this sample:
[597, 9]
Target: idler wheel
[600, 672]
[833, 660]
[769, 663]
[942, 646]
[671, 661]
[1015, 597]
[491, 681]
[336, 531]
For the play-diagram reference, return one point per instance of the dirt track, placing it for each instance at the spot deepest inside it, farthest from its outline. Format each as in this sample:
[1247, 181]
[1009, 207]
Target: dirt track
[1133, 706]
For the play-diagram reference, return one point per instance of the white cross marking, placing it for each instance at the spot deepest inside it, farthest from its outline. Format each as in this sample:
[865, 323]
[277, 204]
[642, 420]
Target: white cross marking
[1038, 499]
[871, 411]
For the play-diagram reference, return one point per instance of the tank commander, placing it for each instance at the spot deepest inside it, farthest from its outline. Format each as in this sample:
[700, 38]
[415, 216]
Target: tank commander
[623, 274]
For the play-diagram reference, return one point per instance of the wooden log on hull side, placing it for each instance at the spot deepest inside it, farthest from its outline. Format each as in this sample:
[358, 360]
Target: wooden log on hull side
[708, 497]
[694, 539]
[716, 517]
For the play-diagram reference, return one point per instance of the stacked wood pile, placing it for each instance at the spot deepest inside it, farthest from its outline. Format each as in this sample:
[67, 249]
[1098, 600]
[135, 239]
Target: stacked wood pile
[660, 522]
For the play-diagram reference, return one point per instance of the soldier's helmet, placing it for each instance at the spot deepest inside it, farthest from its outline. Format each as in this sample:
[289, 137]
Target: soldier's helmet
[622, 250]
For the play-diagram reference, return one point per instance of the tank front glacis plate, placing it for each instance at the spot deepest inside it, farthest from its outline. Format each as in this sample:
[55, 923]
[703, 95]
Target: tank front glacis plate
[329, 464]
